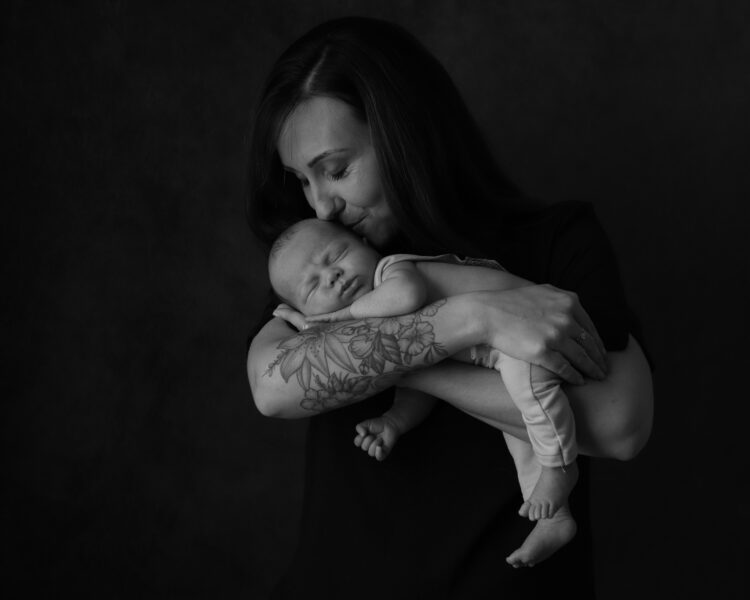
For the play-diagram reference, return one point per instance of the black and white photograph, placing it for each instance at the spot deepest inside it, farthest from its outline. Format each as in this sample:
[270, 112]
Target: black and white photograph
[344, 299]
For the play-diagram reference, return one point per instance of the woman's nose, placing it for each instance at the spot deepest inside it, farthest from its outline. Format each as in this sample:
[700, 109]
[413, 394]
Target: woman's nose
[326, 206]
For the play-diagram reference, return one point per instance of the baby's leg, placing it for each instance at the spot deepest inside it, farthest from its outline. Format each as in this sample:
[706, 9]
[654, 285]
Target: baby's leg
[527, 466]
[549, 422]
[548, 535]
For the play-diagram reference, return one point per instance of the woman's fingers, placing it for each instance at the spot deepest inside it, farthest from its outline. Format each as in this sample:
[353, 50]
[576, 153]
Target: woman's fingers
[587, 327]
[544, 325]
[583, 352]
[581, 344]
[558, 364]
[570, 362]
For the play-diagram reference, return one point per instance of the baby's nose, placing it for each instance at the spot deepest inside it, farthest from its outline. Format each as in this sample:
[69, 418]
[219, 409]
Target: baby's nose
[333, 275]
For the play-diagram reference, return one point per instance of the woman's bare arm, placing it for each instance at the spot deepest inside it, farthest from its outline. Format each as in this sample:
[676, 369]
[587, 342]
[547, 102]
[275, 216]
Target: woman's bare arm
[295, 375]
[613, 417]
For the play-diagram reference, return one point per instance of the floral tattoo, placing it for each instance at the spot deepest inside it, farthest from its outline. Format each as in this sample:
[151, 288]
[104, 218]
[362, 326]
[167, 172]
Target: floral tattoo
[371, 343]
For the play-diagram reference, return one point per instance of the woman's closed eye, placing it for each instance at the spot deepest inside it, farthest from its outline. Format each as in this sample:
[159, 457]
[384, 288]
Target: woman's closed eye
[339, 174]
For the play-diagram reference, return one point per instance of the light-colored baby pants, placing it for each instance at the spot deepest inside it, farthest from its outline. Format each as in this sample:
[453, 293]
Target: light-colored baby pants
[536, 392]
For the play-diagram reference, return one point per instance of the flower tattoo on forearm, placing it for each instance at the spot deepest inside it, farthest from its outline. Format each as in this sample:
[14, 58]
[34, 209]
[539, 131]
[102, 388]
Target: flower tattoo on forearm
[371, 351]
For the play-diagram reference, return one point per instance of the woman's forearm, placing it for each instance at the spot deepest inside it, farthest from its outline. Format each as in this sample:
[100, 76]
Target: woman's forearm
[296, 375]
[613, 417]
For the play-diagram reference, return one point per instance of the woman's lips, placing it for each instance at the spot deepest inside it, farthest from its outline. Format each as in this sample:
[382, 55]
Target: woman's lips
[356, 225]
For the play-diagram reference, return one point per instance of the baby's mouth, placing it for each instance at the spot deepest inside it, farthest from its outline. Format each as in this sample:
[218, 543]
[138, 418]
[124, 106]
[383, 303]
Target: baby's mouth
[348, 287]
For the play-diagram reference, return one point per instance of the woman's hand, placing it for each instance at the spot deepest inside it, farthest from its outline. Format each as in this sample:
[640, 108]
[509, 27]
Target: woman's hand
[546, 326]
[295, 318]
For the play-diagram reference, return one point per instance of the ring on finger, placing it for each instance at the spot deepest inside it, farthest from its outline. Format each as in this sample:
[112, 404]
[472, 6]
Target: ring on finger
[582, 337]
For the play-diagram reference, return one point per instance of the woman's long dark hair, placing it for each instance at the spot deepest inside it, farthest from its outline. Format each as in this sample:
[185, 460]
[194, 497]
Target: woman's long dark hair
[438, 174]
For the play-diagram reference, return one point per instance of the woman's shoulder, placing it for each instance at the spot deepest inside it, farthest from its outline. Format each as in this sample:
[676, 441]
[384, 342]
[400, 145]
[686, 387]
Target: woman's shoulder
[565, 244]
[566, 238]
[540, 237]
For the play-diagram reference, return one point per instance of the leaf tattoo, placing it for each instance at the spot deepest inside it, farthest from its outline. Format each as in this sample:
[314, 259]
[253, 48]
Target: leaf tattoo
[373, 343]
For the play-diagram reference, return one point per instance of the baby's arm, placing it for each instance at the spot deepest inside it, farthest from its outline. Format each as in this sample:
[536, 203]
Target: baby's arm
[403, 290]
[378, 436]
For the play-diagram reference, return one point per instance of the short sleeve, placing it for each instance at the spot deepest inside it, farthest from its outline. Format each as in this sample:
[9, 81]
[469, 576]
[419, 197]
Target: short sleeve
[582, 260]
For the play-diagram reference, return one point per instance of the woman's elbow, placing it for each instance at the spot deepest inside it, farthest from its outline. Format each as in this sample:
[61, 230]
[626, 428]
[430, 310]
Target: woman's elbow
[262, 396]
[264, 404]
[632, 410]
[634, 432]
[631, 444]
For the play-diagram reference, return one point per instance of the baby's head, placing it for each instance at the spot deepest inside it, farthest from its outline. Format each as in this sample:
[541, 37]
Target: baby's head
[320, 266]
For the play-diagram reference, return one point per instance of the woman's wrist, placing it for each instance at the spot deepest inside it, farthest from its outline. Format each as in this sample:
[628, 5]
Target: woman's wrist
[477, 325]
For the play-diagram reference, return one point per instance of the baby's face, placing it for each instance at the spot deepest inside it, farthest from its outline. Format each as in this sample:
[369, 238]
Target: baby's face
[323, 268]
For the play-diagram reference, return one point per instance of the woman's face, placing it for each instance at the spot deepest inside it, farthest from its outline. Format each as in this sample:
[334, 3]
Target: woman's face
[330, 151]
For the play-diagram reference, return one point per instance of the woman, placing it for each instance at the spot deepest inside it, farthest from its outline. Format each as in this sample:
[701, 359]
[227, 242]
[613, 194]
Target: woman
[362, 125]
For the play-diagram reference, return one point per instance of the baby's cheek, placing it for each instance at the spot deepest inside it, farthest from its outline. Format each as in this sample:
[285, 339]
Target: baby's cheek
[329, 305]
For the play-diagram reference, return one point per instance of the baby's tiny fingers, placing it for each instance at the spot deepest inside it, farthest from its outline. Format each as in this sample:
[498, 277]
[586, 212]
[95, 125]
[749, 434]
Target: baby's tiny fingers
[373, 449]
[382, 452]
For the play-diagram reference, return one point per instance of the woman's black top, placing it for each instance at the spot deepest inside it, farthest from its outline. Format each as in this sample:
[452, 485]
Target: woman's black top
[437, 518]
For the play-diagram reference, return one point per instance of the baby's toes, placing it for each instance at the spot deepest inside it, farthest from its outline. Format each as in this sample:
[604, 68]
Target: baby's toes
[534, 512]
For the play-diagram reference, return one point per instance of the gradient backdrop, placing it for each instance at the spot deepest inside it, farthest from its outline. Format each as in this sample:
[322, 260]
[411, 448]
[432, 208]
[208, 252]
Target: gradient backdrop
[135, 464]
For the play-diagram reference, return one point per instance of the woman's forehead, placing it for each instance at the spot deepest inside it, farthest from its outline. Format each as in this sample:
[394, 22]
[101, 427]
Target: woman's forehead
[319, 125]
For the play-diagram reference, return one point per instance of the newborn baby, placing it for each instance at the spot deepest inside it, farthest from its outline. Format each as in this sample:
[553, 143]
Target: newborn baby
[325, 272]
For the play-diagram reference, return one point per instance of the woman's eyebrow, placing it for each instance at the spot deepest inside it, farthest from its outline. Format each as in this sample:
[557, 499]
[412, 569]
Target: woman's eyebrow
[315, 160]
[323, 155]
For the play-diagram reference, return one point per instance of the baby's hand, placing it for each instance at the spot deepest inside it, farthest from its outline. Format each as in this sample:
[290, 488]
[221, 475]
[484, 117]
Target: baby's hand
[342, 314]
[295, 318]
[377, 436]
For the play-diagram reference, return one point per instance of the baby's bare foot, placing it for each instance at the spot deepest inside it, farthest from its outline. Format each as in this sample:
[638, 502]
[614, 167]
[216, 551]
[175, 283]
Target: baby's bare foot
[547, 537]
[550, 493]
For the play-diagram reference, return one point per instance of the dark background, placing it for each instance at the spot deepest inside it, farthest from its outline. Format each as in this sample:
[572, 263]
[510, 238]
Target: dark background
[135, 464]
